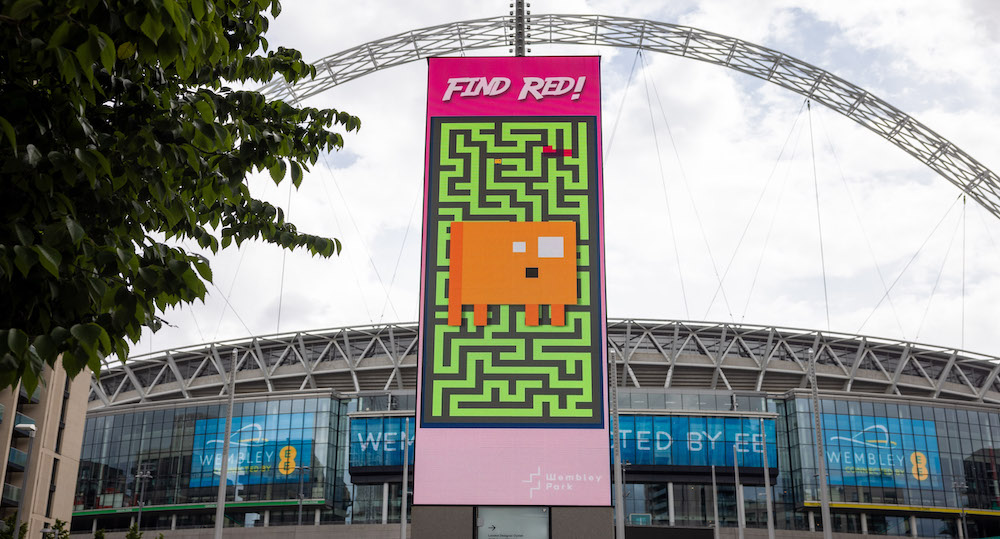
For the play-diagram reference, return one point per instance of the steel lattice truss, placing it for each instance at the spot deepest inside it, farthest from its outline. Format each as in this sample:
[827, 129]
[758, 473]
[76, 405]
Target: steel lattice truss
[818, 85]
[648, 354]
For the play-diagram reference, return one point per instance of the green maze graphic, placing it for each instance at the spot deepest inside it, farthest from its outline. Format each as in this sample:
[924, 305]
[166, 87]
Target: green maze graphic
[507, 374]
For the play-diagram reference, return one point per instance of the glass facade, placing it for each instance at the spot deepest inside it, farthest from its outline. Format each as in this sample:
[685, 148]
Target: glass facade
[278, 448]
[345, 454]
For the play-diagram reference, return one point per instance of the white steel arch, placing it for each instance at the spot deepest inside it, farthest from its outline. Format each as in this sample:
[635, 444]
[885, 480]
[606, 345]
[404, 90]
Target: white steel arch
[854, 102]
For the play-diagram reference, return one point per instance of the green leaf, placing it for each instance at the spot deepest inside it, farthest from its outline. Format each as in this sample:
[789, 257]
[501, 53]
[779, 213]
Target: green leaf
[277, 171]
[8, 131]
[152, 27]
[24, 234]
[205, 110]
[107, 47]
[198, 9]
[76, 232]
[88, 335]
[204, 270]
[23, 8]
[45, 347]
[60, 35]
[50, 259]
[24, 259]
[126, 50]
[296, 174]
[17, 342]
[177, 14]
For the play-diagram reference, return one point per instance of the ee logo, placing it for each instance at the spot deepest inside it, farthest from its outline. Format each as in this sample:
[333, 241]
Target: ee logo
[919, 469]
[287, 463]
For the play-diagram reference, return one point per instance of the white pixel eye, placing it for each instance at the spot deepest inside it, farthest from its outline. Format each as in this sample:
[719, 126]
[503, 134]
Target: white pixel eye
[519, 247]
[550, 247]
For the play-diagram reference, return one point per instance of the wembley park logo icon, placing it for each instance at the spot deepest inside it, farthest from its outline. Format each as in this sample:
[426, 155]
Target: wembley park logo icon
[247, 436]
[874, 436]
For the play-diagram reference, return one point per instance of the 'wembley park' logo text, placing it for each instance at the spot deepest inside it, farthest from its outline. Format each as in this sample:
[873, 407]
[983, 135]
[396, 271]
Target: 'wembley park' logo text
[558, 481]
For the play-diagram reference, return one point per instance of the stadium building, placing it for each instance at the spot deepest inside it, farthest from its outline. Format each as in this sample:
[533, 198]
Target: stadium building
[910, 433]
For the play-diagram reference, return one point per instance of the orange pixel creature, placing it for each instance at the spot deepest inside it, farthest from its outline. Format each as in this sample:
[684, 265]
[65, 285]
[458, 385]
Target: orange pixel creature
[512, 263]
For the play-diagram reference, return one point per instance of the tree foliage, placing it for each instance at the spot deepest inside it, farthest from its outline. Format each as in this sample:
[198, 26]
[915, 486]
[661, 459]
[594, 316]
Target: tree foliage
[59, 530]
[7, 527]
[119, 140]
[133, 532]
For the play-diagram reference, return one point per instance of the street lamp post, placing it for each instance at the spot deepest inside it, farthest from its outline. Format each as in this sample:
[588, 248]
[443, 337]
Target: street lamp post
[824, 491]
[141, 476]
[24, 477]
[302, 495]
[959, 487]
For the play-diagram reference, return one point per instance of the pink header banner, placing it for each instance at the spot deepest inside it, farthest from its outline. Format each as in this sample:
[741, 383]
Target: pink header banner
[512, 392]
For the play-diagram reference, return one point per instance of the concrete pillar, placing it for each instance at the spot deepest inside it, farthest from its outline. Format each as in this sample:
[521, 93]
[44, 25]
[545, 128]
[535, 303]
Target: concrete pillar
[316, 518]
[670, 502]
[864, 523]
[93, 526]
[173, 521]
[267, 517]
[961, 529]
[812, 521]
[913, 525]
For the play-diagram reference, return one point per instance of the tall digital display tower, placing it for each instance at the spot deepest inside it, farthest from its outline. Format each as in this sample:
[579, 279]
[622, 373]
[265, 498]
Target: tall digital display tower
[512, 402]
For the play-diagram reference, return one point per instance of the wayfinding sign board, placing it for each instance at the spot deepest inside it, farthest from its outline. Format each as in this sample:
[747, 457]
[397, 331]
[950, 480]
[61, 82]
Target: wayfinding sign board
[511, 397]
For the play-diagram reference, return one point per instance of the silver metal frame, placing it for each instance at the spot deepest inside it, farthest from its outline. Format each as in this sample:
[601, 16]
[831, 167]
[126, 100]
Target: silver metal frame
[854, 102]
[651, 354]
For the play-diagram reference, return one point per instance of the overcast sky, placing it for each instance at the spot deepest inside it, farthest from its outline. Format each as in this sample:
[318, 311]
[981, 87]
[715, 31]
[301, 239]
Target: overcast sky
[695, 148]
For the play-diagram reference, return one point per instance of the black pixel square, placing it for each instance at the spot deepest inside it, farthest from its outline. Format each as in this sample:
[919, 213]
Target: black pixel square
[531, 273]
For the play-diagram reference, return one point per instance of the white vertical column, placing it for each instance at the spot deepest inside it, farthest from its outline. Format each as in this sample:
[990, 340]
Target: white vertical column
[316, 519]
[812, 521]
[913, 525]
[267, 517]
[670, 502]
[961, 529]
[864, 523]
[173, 521]
[385, 503]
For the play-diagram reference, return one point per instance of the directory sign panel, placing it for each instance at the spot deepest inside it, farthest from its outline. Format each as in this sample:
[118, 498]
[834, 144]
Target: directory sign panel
[512, 327]
[262, 449]
[881, 451]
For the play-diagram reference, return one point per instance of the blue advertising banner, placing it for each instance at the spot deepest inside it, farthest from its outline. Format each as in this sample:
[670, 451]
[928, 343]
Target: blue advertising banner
[881, 451]
[378, 441]
[262, 449]
[697, 440]
[659, 440]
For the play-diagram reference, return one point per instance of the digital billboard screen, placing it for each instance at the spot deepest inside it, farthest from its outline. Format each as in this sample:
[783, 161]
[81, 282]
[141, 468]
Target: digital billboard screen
[512, 362]
[881, 451]
[677, 440]
[262, 449]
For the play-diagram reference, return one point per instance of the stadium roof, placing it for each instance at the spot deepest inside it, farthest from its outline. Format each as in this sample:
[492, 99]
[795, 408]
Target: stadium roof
[664, 354]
